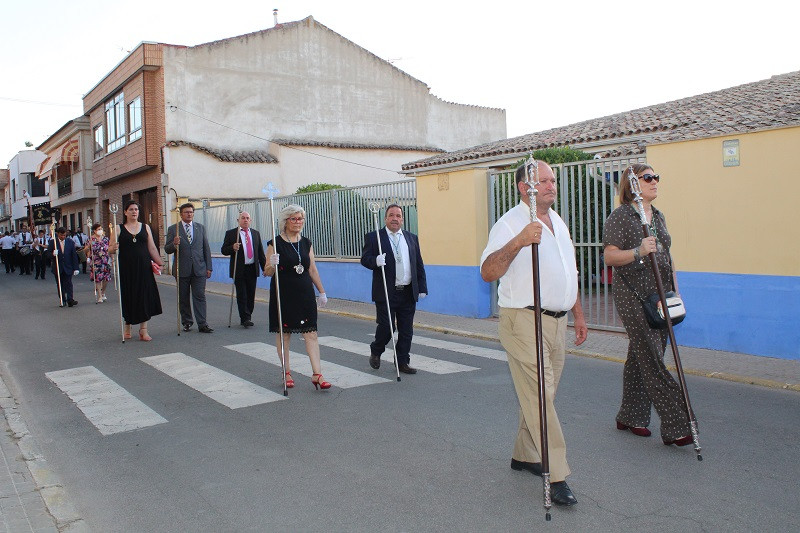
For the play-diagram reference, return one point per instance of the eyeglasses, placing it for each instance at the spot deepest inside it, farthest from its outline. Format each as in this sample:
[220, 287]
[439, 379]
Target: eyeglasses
[650, 177]
[297, 219]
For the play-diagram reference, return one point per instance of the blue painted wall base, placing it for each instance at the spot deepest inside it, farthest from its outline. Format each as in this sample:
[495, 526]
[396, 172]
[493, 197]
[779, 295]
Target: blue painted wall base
[731, 312]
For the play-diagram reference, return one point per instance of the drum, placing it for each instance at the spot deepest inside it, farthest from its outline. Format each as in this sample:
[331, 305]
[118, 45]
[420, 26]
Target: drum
[25, 250]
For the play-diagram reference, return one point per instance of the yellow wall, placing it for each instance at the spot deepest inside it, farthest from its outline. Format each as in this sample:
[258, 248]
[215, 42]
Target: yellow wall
[453, 217]
[740, 220]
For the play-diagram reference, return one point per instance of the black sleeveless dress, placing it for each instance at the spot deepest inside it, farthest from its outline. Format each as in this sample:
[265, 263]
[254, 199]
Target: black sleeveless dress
[298, 302]
[138, 289]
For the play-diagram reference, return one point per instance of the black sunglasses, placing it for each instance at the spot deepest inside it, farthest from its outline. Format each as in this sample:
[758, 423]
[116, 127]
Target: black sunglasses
[650, 177]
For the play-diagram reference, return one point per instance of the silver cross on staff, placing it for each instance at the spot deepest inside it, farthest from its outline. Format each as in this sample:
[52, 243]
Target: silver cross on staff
[270, 190]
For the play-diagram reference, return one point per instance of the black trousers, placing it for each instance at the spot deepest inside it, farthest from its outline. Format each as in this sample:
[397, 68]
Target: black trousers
[66, 286]
[25, 263]
[403, 308]
[8, 259]
[246, 291]
[39, 262]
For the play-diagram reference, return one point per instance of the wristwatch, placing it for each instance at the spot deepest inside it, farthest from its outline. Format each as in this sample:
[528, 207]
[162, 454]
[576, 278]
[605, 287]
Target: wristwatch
[636, 255]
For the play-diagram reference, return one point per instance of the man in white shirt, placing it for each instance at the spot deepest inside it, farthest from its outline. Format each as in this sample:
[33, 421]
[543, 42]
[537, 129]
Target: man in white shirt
[508, 258]
[80, 238]
[24, 257]
[7, 250]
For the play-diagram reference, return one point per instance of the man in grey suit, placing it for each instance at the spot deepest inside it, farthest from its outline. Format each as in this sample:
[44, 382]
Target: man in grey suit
[189, 239]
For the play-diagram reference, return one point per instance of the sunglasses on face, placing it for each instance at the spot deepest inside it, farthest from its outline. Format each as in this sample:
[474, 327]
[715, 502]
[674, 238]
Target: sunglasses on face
[650, 177]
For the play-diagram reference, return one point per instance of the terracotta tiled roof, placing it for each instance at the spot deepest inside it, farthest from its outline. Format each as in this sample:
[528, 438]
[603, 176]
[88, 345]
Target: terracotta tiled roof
[326, 144]
[766, 104]
[230, 156]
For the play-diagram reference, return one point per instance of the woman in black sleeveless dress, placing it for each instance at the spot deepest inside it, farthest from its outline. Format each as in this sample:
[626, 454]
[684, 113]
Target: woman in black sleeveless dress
[137, 286]
[297, 272]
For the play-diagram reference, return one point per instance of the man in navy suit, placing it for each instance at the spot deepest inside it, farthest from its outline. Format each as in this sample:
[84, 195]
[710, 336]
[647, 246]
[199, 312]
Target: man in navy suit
[247, 255]
[68, 263]
[405, 282]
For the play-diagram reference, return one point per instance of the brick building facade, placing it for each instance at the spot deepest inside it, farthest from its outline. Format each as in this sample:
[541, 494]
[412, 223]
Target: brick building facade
[126, 114]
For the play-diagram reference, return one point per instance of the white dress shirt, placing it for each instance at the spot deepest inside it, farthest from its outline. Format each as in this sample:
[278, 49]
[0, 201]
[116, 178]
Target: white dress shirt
[402, 272]
[7, 242]
[558, 272]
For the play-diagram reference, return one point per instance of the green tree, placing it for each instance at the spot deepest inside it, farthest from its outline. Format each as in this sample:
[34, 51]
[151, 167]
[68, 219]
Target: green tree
[317, 187]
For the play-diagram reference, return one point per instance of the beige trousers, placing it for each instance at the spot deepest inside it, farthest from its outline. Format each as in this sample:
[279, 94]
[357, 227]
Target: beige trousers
[518, 337]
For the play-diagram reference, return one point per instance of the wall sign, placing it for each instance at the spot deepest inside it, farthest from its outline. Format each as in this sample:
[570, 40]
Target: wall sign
[730, 153]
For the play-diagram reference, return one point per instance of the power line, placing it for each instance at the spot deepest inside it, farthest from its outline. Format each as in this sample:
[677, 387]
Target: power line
[23, 101]
[174, 107]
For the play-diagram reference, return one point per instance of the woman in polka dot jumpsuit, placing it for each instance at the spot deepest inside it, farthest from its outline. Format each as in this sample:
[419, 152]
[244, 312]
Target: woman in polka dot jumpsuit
[645, 379]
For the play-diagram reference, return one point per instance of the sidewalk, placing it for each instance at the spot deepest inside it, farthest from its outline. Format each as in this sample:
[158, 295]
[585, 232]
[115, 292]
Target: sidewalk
[31, 495]
[611, 346]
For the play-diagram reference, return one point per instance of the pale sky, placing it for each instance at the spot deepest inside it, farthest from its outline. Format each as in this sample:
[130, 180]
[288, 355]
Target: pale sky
[547, 64]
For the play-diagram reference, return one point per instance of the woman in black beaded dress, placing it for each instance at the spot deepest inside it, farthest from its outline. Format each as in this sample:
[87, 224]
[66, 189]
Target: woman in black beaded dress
[293, 255]
[137, 285]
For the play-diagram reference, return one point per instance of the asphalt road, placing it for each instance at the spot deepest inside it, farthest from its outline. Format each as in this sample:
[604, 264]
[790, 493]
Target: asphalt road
[430, 453]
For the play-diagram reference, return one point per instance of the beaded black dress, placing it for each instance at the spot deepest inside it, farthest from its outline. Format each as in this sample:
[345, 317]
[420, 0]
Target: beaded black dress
[298, 302]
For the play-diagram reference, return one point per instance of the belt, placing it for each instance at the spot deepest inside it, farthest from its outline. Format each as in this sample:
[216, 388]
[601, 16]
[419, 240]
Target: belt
[401, 287]
[554, 314]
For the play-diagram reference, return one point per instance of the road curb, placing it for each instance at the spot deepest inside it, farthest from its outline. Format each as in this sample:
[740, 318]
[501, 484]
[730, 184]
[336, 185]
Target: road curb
[47, 482]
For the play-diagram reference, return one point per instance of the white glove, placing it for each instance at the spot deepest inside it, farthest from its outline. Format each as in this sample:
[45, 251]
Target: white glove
[422, 295]
[381, 260]
[55, 252]
[322, 299]
[76, 272]
[274, 259]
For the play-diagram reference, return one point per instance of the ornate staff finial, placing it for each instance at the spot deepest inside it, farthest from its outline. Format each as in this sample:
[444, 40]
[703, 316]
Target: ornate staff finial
[270, 190]
[374, 207]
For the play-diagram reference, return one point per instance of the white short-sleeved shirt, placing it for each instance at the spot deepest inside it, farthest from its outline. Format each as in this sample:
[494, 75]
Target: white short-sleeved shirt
[558, 271]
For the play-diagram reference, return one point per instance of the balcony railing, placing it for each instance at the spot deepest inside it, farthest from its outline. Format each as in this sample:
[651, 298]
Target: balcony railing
[64, 186]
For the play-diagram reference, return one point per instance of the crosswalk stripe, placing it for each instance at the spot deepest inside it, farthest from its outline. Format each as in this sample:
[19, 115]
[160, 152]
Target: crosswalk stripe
[109, 407]
[220, 386]
[428, 364]
[339, 376]
[488, 353]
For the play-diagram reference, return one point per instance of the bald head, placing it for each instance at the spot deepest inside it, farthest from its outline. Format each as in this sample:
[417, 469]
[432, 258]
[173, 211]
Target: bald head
[244, 220]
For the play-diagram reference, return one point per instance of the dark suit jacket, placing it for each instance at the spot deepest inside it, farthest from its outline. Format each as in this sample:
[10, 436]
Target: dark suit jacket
[195, 258]
[370, 252]
[68, 262]
[227, 249]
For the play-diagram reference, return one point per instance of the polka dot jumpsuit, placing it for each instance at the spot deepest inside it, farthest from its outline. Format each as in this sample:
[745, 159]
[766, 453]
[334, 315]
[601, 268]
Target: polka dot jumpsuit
[645, 379]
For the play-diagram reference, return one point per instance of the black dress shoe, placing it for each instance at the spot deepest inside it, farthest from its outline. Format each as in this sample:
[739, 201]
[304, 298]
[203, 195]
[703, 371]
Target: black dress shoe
[533, 468]
[375, 361]
[205, 329]
[187, 327]
[561, 493]
[405, 369]
[72, 303]
[247, 323]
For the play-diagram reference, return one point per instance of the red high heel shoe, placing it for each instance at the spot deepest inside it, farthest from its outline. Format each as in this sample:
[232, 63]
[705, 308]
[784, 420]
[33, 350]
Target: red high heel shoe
[321, 383]
[683, 441]
[289, 380]
[641, 432]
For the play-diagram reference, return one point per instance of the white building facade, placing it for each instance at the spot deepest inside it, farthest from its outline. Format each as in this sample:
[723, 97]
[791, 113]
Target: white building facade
[299, 104]
[22, 169]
